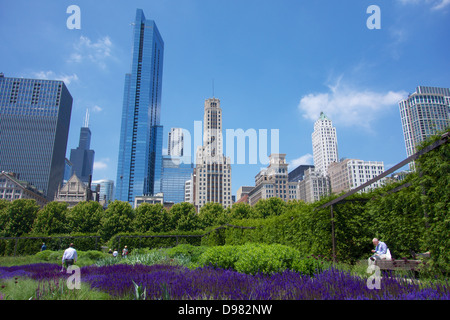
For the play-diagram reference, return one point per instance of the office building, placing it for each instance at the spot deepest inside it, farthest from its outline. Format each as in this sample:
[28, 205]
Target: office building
[423, 114]
[273, 182]
[298, 173]
[140, 145]
[352, 173]
[313, 187]
[212, 175]
[324, 143]
[82, 158]
[11, 188]
[189, 190]
[106, 190]
[176, 171]
[34, 127]
[175, 145]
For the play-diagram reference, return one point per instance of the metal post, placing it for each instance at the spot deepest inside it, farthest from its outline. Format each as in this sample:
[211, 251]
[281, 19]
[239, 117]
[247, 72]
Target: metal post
[333, 238]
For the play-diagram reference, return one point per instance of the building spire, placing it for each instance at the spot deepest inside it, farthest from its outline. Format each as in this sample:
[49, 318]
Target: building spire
[86, 119]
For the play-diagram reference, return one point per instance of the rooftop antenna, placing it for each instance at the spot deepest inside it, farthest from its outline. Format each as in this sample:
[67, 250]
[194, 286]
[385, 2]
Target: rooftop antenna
[86, 119]
[213, 87]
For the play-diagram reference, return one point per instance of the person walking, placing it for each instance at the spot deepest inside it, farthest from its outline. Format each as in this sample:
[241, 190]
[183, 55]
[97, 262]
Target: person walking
[70, 256]
[124, 252]
[43, 247]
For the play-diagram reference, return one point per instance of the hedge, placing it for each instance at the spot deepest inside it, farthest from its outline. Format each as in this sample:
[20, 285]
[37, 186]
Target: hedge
[31, 244]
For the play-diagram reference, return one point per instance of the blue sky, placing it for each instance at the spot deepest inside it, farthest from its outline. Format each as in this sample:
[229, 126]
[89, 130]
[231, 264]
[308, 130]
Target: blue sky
[275, 65]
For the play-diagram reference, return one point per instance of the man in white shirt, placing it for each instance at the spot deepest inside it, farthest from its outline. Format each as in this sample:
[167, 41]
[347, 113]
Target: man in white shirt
[70, 256]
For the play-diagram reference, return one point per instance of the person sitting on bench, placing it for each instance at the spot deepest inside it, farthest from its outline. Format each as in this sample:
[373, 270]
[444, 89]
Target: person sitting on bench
[381, 251]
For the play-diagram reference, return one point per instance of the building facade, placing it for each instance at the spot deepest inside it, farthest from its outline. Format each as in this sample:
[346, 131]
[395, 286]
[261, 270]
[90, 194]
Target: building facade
[423, 114]
[313, 187]
[175, 144]
[75, 191]
[106, 190]
[11, 188]
[273, 181]
[82, 158]
[34, 127]
[140, 146]
[324, 143]
[176, 171]
[212, 175]
[352, 173]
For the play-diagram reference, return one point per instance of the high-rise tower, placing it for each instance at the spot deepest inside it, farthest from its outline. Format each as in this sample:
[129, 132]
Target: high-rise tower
[423, 114]
[140, 147]
[324, 142]
[34, 127]
[212, 176]
[82, 158]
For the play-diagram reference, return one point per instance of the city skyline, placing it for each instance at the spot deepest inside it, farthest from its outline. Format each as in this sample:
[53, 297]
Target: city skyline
[276, 66]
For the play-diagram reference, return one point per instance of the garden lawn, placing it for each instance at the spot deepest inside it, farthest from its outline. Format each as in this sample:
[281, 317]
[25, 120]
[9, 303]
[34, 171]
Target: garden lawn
[181, 283]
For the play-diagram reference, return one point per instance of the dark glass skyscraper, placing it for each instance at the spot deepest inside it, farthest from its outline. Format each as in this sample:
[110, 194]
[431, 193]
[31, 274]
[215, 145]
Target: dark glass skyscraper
[140, 146]
[34, 127]
[82, 158]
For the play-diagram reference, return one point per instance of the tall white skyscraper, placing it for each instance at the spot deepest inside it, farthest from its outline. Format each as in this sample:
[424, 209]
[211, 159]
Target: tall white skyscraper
[423, 114]
[212, 175]
[324, 142]
[176, 143]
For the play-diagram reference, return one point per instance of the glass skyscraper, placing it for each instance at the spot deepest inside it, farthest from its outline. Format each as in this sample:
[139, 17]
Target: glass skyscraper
[176, 170]
[140, 146]
[423, 114]
[34, 127]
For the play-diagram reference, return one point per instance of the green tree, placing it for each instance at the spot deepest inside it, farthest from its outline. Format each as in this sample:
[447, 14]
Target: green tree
[212, 214]
[118, 217]
[151, 218]
[242, 210]
[270, 207]
[51, 219]
[19, 217]
[182, 216]
[4, 204]
[85, 217]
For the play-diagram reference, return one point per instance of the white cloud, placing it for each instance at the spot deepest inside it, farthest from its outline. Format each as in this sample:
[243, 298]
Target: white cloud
[435, 4]
[50, 75]
[348, 106]
[96, 52]
[102, 164]
[306, 159]
[441, 5]
[96, 108]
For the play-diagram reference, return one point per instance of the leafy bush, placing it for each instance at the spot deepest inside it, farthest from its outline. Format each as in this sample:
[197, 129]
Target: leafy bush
[260, 258]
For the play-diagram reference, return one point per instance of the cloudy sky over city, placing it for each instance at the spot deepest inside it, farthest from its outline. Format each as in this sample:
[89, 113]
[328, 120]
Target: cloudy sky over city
[274, 65]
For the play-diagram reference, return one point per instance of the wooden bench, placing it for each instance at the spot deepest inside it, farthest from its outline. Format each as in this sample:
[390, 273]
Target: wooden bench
[402, 264]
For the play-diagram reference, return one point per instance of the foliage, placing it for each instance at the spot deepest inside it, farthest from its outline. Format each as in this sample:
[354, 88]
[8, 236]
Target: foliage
[117, 218]
[242, 210]
[183, 217]
[51, 219]
[433, 184]
[18, 217]
[270, 207]
[150, 218]
[175, 282]
[259, 258]
[85, 217]
[212, 214]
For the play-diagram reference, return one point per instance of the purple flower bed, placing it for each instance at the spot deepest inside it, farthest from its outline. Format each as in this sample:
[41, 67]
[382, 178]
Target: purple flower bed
[175, 282]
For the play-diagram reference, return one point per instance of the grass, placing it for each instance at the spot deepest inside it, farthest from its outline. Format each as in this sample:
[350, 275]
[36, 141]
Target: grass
[24, 288]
